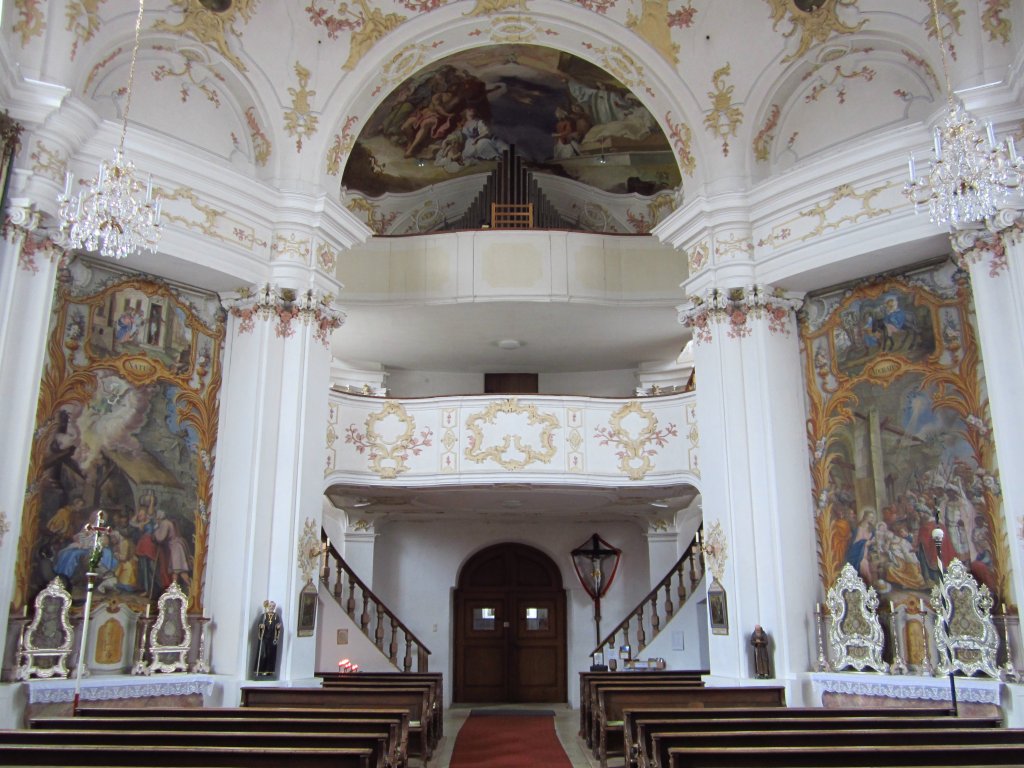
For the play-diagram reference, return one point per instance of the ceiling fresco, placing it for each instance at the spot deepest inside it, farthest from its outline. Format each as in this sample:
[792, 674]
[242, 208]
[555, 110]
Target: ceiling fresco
[563, 115]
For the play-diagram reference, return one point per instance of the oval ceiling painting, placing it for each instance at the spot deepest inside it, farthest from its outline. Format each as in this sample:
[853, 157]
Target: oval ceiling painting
[562, 115]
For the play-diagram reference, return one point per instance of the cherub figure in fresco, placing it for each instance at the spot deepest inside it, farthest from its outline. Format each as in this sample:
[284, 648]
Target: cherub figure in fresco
[480, 144]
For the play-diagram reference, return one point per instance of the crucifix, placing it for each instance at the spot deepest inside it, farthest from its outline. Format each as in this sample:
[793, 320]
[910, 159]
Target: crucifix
[97, 529]
[595, 566]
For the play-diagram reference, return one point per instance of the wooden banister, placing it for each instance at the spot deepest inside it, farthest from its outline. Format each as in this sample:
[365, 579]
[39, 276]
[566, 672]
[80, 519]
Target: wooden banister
[371, 608]
[689, 567]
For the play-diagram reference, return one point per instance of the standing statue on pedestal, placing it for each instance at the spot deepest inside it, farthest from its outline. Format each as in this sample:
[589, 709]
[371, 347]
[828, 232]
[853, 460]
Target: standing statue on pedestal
[268, 637]
[762, 663]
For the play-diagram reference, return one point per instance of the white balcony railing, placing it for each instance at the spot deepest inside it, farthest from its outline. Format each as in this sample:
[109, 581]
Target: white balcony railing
[512, 439]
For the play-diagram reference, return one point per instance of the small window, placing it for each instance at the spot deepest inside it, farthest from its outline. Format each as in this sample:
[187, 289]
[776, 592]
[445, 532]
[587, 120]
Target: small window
[536, 619]
[484, 619]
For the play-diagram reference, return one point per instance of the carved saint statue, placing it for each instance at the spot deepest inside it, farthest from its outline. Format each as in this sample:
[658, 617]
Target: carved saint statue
[268, 637]
[762, 663]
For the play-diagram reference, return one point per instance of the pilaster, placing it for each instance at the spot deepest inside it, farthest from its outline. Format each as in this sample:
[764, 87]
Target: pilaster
[28, 268]
[269, 484]
[994, 258]
[758, 523]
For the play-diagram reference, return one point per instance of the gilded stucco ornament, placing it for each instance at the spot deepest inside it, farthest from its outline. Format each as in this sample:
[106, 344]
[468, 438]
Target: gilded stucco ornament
[83, 21]
[815, 20]
[487, 7]
[342, 146]
[310, 550]
[635, 433]
[376, 219]
[389, 440]
[51, 163]
[261, 146]
[211, 26]
[479, 451]
[716, 550]
[725, 115]
[300, 121]
[766, 136]
[652, 24]
[366, 24]
[31, 20]
[513, 29]
[995, 23]
[187, 73]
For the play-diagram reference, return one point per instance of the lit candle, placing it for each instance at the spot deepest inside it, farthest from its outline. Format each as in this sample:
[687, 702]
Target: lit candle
[921, 604]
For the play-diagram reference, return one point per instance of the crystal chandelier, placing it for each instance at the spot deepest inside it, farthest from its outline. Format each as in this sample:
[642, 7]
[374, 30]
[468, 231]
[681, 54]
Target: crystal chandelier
[109, 215]
[970, 174]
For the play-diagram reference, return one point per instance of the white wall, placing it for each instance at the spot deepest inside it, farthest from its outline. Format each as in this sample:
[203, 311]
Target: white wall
[620, 383]
[433, 383]
[683, 642]
[416, 568]
[589, 383]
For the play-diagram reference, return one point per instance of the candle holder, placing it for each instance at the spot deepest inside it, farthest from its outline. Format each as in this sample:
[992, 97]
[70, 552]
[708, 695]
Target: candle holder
[822, 664]
[899, 665]
[1010, 673]
[140, 667]
[199, 666]
[926, 663]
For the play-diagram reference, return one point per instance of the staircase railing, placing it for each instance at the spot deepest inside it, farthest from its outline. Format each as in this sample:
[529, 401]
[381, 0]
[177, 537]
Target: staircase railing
[689, 568]
[374, 618]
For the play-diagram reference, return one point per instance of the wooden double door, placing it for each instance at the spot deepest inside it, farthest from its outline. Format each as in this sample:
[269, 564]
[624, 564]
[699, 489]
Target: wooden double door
[510, 628]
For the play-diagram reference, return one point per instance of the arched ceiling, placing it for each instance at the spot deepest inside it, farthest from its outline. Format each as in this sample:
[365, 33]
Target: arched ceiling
[561, 115]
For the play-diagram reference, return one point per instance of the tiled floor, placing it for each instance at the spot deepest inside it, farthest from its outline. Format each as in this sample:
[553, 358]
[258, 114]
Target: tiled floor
[567, 724]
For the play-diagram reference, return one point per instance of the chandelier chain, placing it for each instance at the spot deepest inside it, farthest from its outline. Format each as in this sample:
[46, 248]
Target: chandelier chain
[131, 72]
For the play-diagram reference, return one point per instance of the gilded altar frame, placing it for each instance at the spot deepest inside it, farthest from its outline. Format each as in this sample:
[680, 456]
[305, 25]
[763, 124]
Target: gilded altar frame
[49, 637]
[965, 635]
[855, 636]
[170, 640]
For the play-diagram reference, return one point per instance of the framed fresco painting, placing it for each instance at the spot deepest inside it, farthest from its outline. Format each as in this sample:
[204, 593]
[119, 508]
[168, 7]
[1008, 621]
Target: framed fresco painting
[307, 611]
[718, 608]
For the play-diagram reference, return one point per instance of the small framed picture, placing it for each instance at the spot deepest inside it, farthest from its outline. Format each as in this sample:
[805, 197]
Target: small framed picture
[599, 659]
[718, 609]
[307, 611]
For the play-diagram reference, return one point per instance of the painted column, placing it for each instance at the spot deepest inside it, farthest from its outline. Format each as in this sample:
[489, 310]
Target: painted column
[995, 261]
[28, 268]
[268, 493]
[758, 522]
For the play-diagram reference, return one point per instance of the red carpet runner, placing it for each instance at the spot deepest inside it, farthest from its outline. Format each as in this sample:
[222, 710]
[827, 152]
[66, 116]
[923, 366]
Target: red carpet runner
[508, 741]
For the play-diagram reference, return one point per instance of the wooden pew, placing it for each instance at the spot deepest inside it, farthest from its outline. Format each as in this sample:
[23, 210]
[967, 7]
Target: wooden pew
[639, 724]
[297, 729]
[918, 756]
[825, 740]
[613, 702]
[588, 679]
[413, 700]
[597, 686]
[396, 716]
[110, 755]
[429, 682]
[376, 744]
[435, 677]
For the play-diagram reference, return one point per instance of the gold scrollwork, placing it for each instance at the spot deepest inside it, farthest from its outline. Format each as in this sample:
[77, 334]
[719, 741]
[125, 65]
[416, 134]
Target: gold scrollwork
[530, 454]
[389, 456]
[635, 453]
[816, 20]
[211, 27]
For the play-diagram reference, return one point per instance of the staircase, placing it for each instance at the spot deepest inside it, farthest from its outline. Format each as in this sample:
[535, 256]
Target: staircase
[649, 620]
[374, 618]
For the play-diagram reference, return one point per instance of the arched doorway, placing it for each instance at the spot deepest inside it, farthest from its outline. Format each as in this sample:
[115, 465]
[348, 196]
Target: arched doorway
[509, 627]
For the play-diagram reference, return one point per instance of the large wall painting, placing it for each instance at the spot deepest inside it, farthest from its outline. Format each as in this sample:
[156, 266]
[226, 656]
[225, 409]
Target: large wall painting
[126, 423]
[900, 435]
[564, 116]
